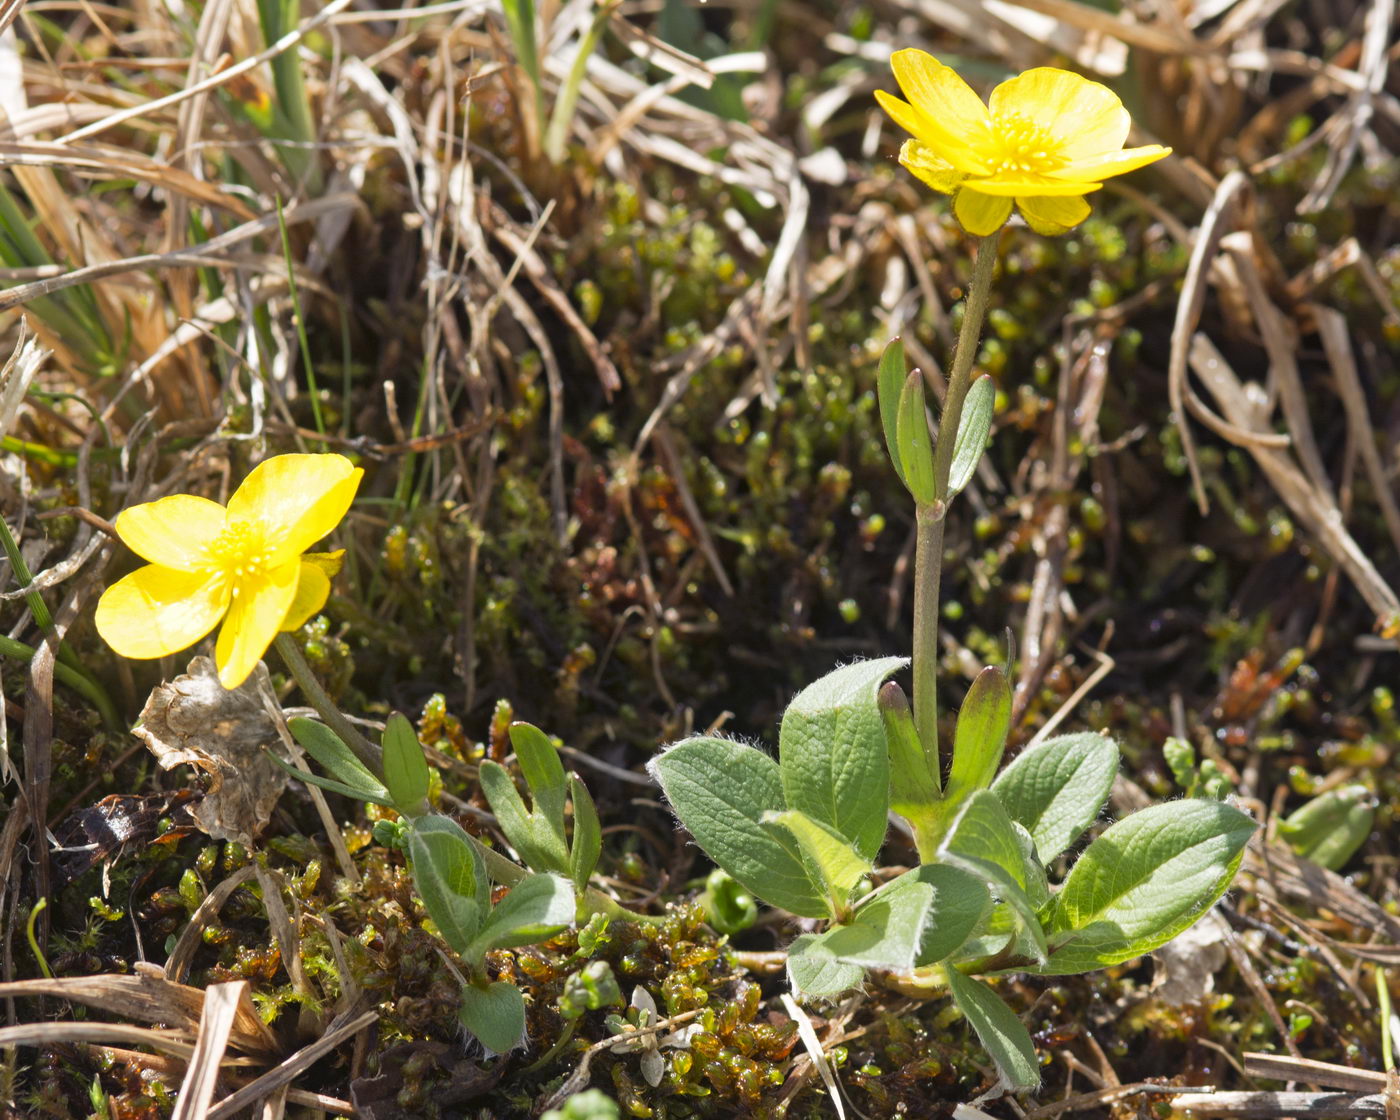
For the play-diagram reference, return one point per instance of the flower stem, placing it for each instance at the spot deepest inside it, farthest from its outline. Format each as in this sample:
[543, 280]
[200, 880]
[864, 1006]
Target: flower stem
[928, 541]
[319, 699]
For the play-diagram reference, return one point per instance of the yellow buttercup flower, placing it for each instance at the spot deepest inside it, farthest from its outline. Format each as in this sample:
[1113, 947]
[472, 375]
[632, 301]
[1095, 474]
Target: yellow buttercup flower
[243, 564]
[1045, 139]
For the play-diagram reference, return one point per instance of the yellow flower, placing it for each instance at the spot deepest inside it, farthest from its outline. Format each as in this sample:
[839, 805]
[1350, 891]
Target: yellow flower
[243, 564]
[1046, 139]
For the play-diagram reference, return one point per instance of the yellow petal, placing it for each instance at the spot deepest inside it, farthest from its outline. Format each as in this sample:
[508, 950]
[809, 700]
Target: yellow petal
[297, 499]
[313, 589]
[981, 214]
[158, 610]
[255, 615]
[172, 532]
[1051, 217]
[926, 165]
[1084, 117]
[1112, 163]
[1026, 184]
[943, 111]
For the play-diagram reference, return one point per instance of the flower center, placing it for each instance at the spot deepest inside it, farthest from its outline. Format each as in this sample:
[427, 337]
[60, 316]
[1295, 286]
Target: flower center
[1020, 145]
[240, 553]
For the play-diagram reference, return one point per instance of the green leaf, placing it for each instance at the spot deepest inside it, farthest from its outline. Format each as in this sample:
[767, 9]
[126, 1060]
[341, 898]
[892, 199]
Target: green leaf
[833, 760]
[972, 432]
[889, 386]
[985, 831]
[720, 790]
[330, 784]
[1330, 827]
[1057, 787]
[913, 774]
[960, 903]
[1001, 1033]
[533, 837]
[587, 843]
[984, 721]
[915, 444]
[325, 746]
[830, 858]
[534, 910]
[543, 772]
[813, 969]
[450, 878]
[495, 1014]
[887, 931]
[1145, 880]
[405, 767]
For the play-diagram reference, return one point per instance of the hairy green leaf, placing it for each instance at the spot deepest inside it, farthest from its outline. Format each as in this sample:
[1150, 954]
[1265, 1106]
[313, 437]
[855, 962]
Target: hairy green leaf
[830, 858]
[1144, 881]
[720, 790]
[450, 878]
[405, 767]
[534, 910]
[979, 740]
[495, 1014]
[833, 760]
[913, 774]
[1001, 1033]
[543, 772]
[814, 970]
[887, 931]
[1056, 788]
[958, 904]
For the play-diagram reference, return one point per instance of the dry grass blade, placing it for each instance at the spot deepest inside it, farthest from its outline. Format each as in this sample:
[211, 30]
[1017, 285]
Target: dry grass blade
[1329, 1074]
[343, 1028]
[1265, 1106]
[177, 965]
[56, 1034]
[151, 999]
[221, 1003]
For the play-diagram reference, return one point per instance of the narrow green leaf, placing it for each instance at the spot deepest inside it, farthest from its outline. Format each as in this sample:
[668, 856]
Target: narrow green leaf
[1145, 880]
[889, 386]
[542, 770]
[405, 767]
[1330, 827]
[830, 858]
[813, 969]
[534, 910]
[720, 790]
[1056, 788]
[449, 877]
[532, 837]
[520, 19]
[973, 428]
[587, 843]
[325, 746]
[495, 1014]
[330, 784]
[1001, 1033]
[913, 775]
[979, 740]
[833, 759]
[915, 443]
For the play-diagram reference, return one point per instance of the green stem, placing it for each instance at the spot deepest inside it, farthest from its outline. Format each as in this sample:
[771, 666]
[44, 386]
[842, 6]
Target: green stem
[928, 541]
[319, 699]
[73, 677]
